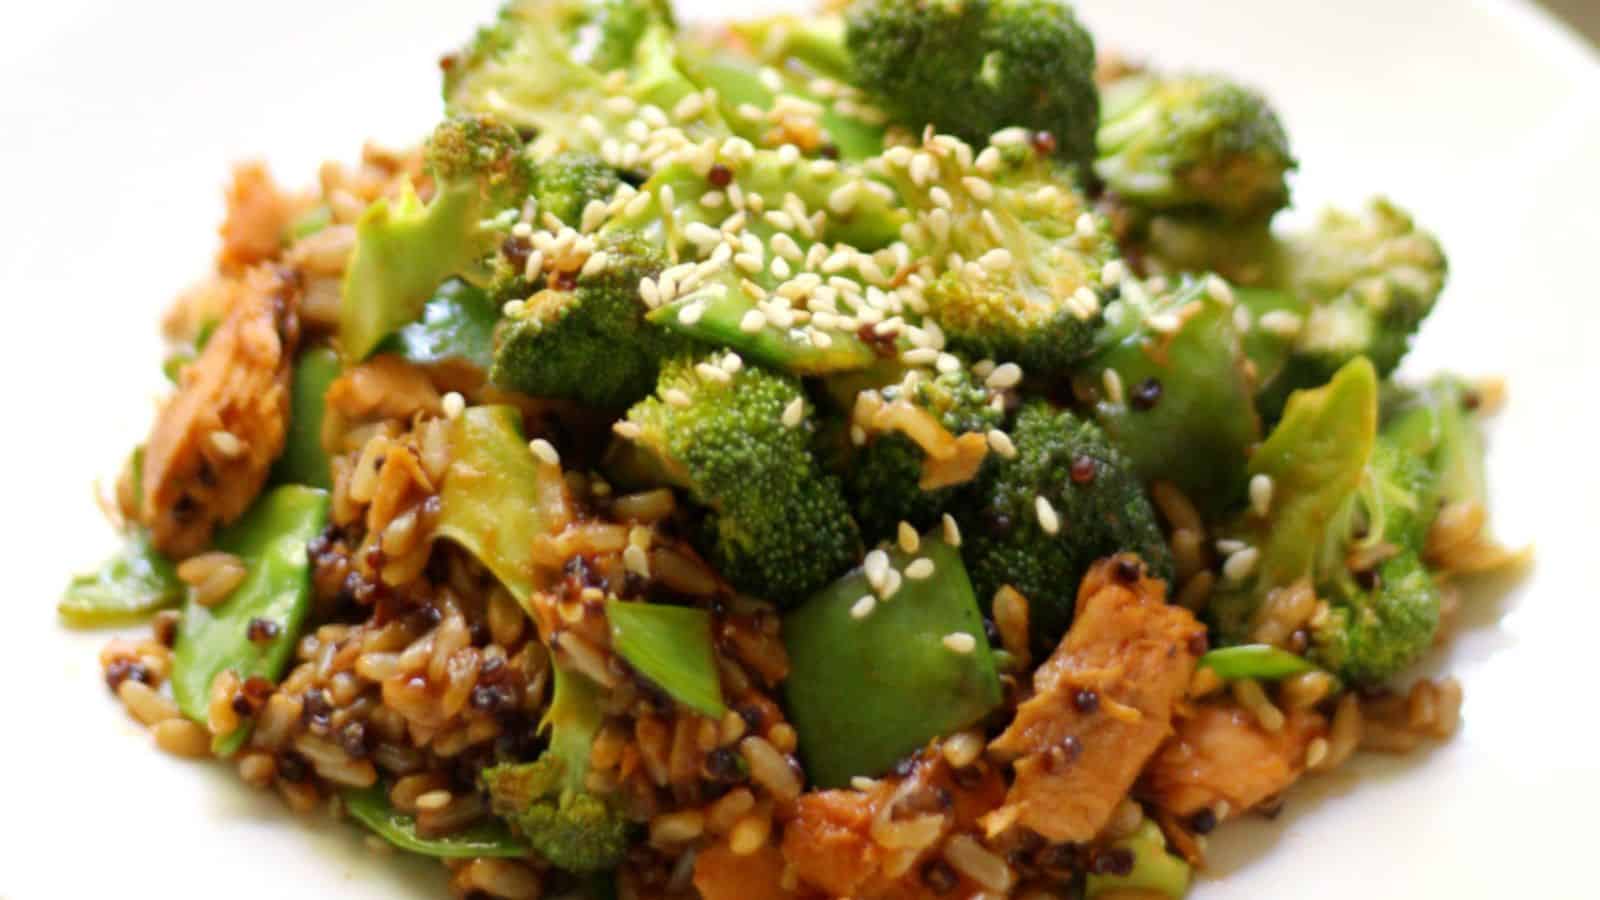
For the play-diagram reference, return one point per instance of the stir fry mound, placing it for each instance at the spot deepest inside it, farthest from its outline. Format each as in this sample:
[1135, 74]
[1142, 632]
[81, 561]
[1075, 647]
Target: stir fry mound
[888, 453]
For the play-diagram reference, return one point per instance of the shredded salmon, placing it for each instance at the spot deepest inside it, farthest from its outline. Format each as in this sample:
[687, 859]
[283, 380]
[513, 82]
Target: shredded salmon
[1222, 754]
[258, 214]
[214, 441]
[1102, 704]
[721, 874]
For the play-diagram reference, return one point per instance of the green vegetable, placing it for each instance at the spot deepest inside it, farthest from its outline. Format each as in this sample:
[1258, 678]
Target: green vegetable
[776, 525]
[494, 495]
[1199, 430]
[456, 325]
[973, 67]
[1372, 634]
[135, 582]
[1101, 510]
[370, 806]
[546, 800]
[1435, 423]
[270, 539]
[671, 646]
[310, 222]
[566, 183]
[1154, 869]
[1259, 661]
[303, 460]
[406, 249]
[1195, 144]
[858, 690]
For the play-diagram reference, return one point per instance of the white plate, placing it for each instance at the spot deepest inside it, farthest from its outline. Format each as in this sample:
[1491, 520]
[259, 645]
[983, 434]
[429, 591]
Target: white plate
[1483, 117]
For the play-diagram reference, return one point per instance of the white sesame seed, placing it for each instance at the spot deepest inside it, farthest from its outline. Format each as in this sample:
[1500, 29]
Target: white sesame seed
[228, 444]
[875, 566]
[996, 260]
[545, 451]
[647, 290]
[732, 363]
[1048, 518]
[907, 537]
[689, 107]
[1005, 376]
[702, 234]
[1086, 226]
[858, 435]
[892, 580]
[1230, 546]
[691, 312]
[1218, 290]
[1113, 272]
[713, 199]
[626, 429]
[863, 607]
[919, 569]
[512, 308]
[676, 397]
[1164, 323]
[454, 404]
[637, 560]
[1282, 323]
[923, 169]
[941, 197]
[1000, 443]
[843, 199]
[794, 412]
[1241, 564]
[981, 190]
[1261, 494]
[535, 265]
[952, 531]
[1086, 301]
[595, 264]
[1112, 382]
[752, 321]
[960, 642]
[1241, 320]
[948, 363]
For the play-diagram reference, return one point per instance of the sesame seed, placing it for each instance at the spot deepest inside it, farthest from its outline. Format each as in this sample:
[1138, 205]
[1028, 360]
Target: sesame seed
[1000, 442]
[432, 801]
[648, 290]
[732, 363]
[713, 199]
[794, 412]
[919, 569]
[701, 233]
[512, 308]
[691, 312]
[1049, 520]
[981, 190]
[637, 560]
[908, 538]
[863, 607]
[545, 451]
[941, 197]
[1086, 301]
[891, 584]
[626, 429]
[858, 435]
[996, 260]
[1230, 546]
[947, 363]
[923, 169]
[1241, 564]
[1261, 494]
[1282, 323]
[1112, 382]
[960, 642]
[713, 373]
[1218, 290]
[676, 397]
[1241, 319]
[1005, 376]
[1113, 272]
[595, 264]
[752, 321]
[843, 199]
[689, 107]
[875, 567]
[952, 531]
[226, 443]
[1164, 323]
[453, 404]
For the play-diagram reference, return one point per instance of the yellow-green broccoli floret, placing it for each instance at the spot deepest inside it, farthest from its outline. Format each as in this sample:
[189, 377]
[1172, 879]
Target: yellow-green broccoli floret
[547, 801]
[973, 67]
[1037, 519]
[565, 184]
[1193, 144]
[739, 440]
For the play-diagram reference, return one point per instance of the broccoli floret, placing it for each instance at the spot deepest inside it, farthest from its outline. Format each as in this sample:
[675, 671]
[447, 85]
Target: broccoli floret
[1010, 251]
[973, 67]
[925, 438]
[547, 800]
[566, 183]
[739, 438]
[1038, 519]
[589, 341]
[406, 249]
[1193, 144]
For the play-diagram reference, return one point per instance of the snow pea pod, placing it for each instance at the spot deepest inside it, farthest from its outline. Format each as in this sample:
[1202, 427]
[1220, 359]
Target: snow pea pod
[1260, 661]
[456, 325]
[370, 806]
[270, 539]
[135, 582]
[671, 646]
[303, 460]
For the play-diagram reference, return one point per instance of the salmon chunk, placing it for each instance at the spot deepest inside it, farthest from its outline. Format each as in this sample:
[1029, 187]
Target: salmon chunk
[1102, 704]
[258, 215]
[1221, 754]
[214, 441]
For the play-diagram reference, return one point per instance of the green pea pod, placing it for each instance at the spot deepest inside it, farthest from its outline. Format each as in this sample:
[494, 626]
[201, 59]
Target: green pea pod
[310, 222]
[859, 689]
[1263, 662]
[303, 460]
[723, 308]
[271, 540]
[456, 325]
[134, 583]
[494, 495]
[370, 806]
[671, 646]
[1154, 869]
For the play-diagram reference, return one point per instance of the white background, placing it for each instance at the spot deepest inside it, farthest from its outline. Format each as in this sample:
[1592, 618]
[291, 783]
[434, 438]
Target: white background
[119, 119]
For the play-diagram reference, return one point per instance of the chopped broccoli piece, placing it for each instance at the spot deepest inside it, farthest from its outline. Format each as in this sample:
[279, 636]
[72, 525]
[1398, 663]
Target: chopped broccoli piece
[1011, 251]
[1193, 144]
[925, 438]
[547, 800]
[1156, 872]
[776, 526]
[1371, 634]
[1099, 508]
[973, 67]
[406, 249]
[588, 342]
[566, 183]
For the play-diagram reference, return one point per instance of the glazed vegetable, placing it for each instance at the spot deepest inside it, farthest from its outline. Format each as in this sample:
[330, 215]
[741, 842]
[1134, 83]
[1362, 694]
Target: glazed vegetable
[972, 68]
[303, 460]
[671, 646]
[738, 439]
[863, 662]
[546, 800]
[456, 326]
[254, 630]
[1186, 411]
[1037, 520]
[497, 497]
[370, 806]
[1193, 144]
[135, 582]
[565, 184]
[1155, 871]
[406, 249]
[1262, 662]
